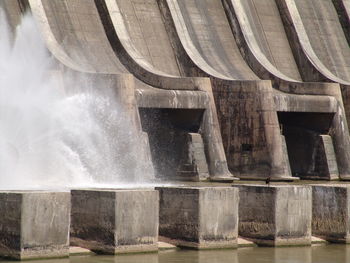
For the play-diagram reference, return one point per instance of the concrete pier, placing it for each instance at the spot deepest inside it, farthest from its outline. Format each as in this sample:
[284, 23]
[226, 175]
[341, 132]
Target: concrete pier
[199, 217]
[115, 221]
[275, 215]
[330, 212]
[34, 224]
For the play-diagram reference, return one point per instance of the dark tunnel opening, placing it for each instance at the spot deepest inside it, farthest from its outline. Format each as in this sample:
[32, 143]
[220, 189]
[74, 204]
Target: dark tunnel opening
[308, 143]
[168, 131]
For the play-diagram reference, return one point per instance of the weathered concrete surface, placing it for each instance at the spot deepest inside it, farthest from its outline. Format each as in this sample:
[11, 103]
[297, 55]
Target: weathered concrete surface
[79, 251]
[34, 224]
[194, 163]
[250, 130]
[204, 33]
[330, 212]
[275, 215]
[245, 243]
[343, 10]
[115, 221]
[318, 42]
[259, 31]
[134, 43]
[165, 246]
[166, 44]
[138, 36]
[199, 217]
[207, 47]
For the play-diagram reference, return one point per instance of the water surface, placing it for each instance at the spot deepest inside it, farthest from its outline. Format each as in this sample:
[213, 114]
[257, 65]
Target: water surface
[314, 254]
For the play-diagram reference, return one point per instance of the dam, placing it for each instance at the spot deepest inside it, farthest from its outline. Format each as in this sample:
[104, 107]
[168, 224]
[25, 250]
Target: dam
[199, 123]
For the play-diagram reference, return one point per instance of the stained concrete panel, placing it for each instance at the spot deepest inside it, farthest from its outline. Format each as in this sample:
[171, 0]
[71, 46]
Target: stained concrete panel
[199, 218]
[34, 224]
[343, 10]
[326, 36]
[275, 215]
[262, 30]
[330, 212]
[207, 37]
[147, 33]
[115, 221]
[77, 28]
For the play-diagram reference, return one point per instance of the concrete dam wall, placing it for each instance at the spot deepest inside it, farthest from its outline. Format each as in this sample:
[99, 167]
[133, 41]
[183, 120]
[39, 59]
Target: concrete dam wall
[213, 92]
[217, 89]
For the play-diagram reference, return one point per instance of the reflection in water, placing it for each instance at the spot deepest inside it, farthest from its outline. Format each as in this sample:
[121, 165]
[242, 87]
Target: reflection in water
[337, 253]
[206, 256]
[315, 254]
[280, 255]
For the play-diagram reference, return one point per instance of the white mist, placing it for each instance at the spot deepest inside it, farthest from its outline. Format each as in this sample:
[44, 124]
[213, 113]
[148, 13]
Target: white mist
[49, 139]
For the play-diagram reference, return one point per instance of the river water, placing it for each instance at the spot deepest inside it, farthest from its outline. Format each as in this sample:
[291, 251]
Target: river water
[314, 254]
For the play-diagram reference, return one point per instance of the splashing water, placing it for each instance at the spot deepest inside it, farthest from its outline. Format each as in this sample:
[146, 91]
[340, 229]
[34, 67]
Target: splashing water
[49, 139]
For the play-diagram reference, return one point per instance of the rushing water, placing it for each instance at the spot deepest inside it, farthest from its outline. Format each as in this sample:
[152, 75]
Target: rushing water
[54, 136]
[314, 254]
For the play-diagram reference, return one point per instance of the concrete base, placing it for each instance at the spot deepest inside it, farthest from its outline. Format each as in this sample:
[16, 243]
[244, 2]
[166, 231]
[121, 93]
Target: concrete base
[79, 251]
[330, 212]
[245, 243]
[115, 221]
[275, 215]
[34, 225]
[199, 217]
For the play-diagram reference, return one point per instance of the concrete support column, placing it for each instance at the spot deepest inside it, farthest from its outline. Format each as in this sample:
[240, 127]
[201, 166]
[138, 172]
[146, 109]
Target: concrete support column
[115, 221]
[34, 225]
[210, 130]
[330, 212]
[250, 130]
[199, 217]
[276, 215]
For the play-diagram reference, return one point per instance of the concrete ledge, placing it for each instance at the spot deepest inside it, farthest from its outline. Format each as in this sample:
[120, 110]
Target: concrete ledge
[242, 242]
[79, 251]
[34, 224]
[276, 215]
[199, 217]
[318, 241]
[330, 212]
[115, 221]
[165, 246]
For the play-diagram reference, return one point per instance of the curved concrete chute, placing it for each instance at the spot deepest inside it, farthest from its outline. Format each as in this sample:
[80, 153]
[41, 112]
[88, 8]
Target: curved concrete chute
[142, 33]
[201, 29]
[343, 9]
[261, 30]
[258, 28]
[207, 38]
[321, 50]
[148, 54]
[314, 25]
[129, 49]
[14, 11]
[346, 4]
[75, 35]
